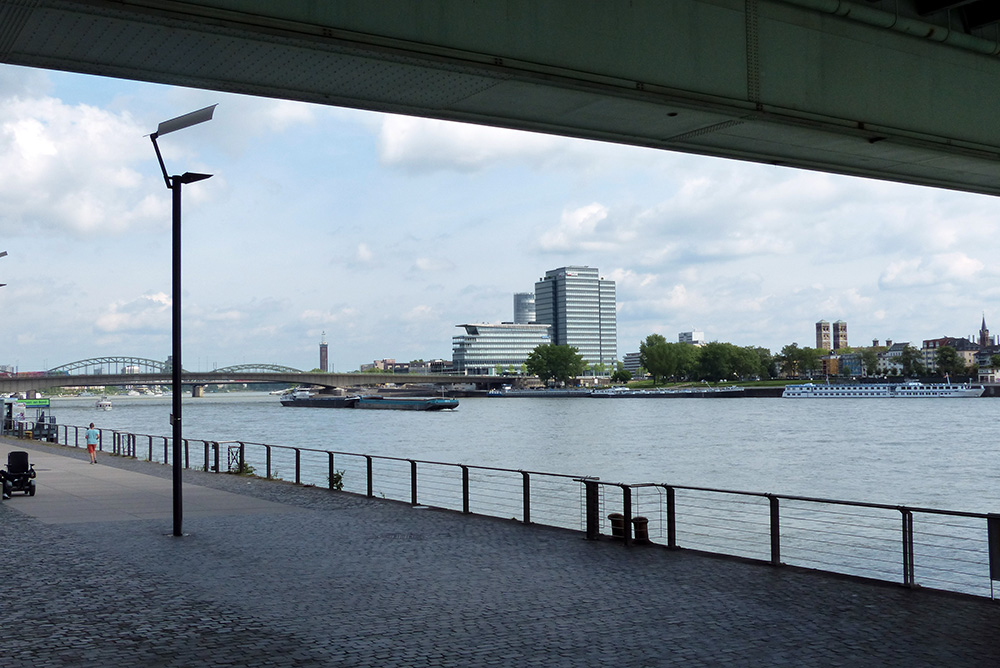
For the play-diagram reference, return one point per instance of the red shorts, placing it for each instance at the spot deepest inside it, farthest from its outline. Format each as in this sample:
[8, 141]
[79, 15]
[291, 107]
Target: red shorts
[91, 448]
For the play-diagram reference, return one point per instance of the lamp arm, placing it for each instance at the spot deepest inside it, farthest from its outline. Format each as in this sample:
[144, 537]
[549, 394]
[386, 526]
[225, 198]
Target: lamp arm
[166, 179]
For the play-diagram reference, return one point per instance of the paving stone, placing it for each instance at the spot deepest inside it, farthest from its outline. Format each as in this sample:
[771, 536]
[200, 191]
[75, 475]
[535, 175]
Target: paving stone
[350, 581]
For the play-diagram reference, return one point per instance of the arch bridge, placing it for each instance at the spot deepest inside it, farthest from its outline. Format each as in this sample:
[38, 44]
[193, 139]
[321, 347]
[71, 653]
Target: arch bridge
[133, 365]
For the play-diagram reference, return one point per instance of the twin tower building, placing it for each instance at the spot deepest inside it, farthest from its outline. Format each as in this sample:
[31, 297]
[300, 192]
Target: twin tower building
[570, 306]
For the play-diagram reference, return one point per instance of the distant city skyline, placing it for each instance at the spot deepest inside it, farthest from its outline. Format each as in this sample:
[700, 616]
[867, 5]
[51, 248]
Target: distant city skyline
[385, 231]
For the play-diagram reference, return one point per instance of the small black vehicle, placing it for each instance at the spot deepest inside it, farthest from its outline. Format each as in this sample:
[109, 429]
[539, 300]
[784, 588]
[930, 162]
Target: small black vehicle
[19, 476]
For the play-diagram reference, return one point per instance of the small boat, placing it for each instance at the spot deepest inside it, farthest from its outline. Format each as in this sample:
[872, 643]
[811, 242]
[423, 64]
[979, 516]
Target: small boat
[103, 404]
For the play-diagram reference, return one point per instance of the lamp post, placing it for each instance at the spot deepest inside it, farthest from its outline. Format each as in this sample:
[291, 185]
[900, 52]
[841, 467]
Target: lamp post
[174, 183]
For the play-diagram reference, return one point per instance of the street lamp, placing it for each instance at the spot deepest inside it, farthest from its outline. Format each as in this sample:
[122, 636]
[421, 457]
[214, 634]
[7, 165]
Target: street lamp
[174, 183]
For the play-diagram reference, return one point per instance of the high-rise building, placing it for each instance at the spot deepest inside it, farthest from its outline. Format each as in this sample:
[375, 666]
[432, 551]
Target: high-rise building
[324, 360]
[823, 335]
[580, 307]
[484, 347]
[694, 338]
[524, 308]
[839, 335]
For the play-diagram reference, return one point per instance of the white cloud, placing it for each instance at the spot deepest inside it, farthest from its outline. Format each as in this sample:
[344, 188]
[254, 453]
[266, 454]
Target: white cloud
[146, 313]
[427, 144]
[68, 168]
[429, 264]
[939, 270]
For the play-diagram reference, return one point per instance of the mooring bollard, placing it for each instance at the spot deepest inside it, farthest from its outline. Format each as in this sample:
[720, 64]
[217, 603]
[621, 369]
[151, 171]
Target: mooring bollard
[641, 525]
[617, 525]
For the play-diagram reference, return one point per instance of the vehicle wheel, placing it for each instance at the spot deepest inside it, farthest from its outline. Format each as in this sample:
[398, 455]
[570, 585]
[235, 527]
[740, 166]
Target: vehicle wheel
[31, 489]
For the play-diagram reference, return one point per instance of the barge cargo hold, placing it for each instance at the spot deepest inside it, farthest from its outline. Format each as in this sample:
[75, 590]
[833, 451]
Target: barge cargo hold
[302, 398]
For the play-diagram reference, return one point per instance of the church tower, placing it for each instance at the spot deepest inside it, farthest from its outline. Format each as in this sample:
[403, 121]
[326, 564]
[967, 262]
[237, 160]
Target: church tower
[984, 334]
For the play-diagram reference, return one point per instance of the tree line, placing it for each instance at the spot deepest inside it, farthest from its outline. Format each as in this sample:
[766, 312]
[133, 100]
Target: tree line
[718, 361]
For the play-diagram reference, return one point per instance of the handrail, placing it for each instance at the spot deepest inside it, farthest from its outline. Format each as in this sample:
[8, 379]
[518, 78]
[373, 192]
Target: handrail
[774, 532]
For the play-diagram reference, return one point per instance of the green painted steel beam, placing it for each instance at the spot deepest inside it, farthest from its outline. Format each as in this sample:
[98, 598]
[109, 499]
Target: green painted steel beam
[832, 85]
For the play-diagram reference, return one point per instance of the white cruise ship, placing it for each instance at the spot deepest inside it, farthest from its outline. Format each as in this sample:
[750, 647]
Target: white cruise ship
[883, 390]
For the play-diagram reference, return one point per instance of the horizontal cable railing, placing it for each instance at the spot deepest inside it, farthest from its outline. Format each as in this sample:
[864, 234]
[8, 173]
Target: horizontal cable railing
[926, 547]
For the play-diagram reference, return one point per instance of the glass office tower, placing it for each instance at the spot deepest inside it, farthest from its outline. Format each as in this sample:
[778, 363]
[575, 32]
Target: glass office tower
[485, 347]
[580, 307]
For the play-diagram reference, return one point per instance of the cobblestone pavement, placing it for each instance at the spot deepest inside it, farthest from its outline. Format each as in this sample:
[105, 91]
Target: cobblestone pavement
[342, 580]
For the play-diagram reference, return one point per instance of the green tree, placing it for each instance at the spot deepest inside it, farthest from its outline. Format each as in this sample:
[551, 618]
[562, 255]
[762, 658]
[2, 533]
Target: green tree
[747, 363]
[715, 361]
[621, 374]
[810, 359]
[562, 363]
[949, 361]
[790, 359]
[654, 356]
[869, 361]
[911, 360]
[795, 361]
[994, 363]
[768, 363]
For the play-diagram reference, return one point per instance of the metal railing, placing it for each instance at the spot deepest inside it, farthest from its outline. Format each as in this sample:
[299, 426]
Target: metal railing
[913, 546]
[940, 549]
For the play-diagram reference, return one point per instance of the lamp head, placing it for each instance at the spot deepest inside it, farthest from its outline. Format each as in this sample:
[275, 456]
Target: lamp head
[185, 121]
[192, 177]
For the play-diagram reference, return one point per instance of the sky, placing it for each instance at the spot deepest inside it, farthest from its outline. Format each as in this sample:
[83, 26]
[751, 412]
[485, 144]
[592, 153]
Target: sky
[385, 232]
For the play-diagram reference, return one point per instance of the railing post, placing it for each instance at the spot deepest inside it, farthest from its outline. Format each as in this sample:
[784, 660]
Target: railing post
[100, 440]
[206, 456]
[413, 482]
[76, 437]
[526, 496]
[465, 488]
[329, 475]
[907, 547]
[371, 491]
[151, 452]
[187, 454]
[592, 497]
[671, 517]
[267, 449]
[775, 531]
[243, 459]
[298, 466]
[217, 447]
[627, 513]
[166, 454]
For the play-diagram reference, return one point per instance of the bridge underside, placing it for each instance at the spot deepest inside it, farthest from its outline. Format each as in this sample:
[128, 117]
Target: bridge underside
[822, 84]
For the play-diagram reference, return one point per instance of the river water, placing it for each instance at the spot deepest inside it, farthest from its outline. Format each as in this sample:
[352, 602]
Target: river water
[937, 453]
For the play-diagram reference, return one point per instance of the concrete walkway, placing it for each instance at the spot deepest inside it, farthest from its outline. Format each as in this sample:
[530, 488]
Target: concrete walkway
[270, 574]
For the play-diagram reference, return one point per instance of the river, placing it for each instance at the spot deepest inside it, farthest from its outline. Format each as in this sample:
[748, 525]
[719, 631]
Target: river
[938, 453]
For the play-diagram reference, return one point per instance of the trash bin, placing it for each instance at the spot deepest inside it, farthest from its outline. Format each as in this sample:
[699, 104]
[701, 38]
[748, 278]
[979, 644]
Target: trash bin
[617, 525]
[641, 525]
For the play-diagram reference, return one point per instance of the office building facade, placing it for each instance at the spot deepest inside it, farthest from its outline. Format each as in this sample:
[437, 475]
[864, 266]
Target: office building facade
[524, 308]
[580, 307]
[486, 347]
[693, 338]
